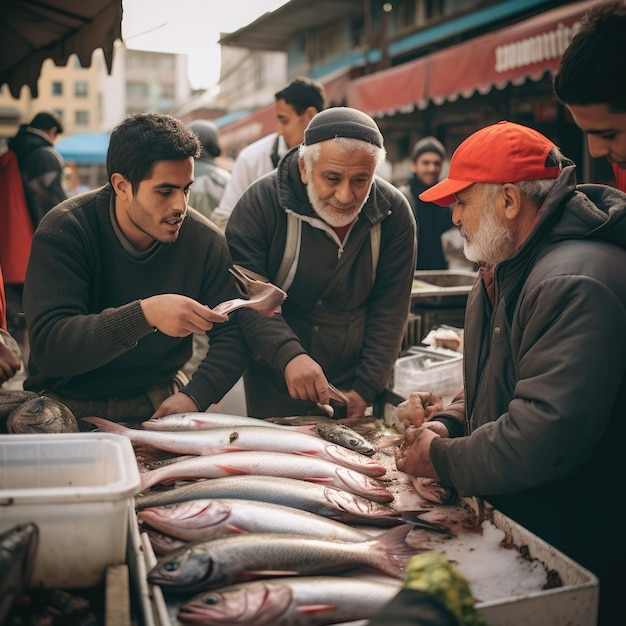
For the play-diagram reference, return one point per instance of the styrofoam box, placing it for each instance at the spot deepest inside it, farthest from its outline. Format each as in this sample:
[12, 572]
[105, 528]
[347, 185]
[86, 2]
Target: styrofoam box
[77, 488]
[429, 369]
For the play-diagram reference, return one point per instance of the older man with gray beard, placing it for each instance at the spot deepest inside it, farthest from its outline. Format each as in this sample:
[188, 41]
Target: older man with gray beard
[540, 428]
[341, 241]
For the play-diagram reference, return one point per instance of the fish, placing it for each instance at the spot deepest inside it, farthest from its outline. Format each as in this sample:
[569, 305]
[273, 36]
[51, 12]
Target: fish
[193, 520]
[323, 500]
[42, 415]
[310, 600]
[162, 543]
[204, 565]
[18, 551]
[320, 499]
[261, 463]
[434, 491]
[330, 431]
[10, 400]
[216, 440]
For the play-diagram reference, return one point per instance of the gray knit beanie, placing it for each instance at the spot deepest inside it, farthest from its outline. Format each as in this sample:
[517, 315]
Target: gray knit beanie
[428, 144]
[342, 122]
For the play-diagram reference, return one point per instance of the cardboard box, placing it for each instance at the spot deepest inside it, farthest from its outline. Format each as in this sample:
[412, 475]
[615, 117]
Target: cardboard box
[78, 489]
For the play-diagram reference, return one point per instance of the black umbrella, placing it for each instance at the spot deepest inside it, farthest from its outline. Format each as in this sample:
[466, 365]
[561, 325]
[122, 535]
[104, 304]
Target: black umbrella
[32, 31]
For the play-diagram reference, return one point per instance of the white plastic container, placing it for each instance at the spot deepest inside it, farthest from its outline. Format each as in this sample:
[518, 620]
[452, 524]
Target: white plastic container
[78, 489]
[429, 369]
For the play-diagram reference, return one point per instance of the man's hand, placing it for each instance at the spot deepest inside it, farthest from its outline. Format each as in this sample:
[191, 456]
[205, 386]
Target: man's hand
[305, 380]
[413, 454]
[178, 316]
[176, 403]
[356, 404]
[9, 363]
[418, 408]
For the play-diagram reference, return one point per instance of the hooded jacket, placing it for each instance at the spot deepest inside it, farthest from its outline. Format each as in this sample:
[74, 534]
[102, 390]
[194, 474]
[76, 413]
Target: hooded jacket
[545, 386]
[351, 324]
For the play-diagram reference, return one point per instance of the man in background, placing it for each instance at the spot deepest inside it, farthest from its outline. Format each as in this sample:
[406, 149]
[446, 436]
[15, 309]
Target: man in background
[592, 85]
[432, 221]
[296, 104]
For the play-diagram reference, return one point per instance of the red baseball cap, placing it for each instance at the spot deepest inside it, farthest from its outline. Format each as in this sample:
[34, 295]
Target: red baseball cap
[501, 153]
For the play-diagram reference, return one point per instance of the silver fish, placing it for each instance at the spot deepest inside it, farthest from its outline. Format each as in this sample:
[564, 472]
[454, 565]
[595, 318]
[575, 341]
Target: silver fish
[332, 431]
[204, 565]
[216, 440]
[208, 519]
[263, 463]
[18, 550]
[320, 499]
[161, 543]
[42, 415]
[306, 600]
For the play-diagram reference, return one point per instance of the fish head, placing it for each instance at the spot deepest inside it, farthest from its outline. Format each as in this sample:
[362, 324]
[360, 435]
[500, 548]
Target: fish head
[42, 415]
[259, 603]
[434, 491]
[185, 568]
[345, 437]
[189, 514]
[354, 461]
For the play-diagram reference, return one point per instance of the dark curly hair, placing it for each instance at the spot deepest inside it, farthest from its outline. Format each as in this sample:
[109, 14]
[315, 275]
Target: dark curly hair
[592, 67]
[138, 142]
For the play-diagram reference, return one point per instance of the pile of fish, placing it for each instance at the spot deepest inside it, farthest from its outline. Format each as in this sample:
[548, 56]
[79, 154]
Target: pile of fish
[251, 518]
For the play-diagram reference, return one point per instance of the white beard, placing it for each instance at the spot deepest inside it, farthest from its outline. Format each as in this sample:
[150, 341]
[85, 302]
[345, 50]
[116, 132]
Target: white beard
[337, 218]
[491, 243]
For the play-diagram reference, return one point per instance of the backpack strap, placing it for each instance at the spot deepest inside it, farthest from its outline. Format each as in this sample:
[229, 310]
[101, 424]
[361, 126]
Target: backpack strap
[274, 154]
[288, 266]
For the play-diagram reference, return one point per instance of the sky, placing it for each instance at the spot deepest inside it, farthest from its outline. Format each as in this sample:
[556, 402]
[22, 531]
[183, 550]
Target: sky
[191, 27]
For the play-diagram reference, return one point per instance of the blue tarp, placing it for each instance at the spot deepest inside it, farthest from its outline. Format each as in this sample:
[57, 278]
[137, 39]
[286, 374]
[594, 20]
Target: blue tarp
[84, 148]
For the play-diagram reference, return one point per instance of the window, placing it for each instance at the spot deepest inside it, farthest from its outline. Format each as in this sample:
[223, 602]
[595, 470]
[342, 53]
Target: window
[81, 89]
[57, 88]
[81, 118]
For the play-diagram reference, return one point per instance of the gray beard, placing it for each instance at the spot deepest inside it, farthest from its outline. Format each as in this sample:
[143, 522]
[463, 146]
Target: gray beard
[336, 218]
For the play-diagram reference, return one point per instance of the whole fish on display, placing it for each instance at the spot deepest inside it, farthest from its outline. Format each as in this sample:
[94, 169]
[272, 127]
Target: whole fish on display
[208, 519]
[310, 600]
[216, 440]
[18, 551]
[326, 501]
[205, 565]
[333, 432]
[263, 463]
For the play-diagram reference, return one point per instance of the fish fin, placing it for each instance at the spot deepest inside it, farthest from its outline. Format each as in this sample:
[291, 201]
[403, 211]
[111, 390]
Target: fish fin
[306, 452]
[315, 608]
[317, 479]
[233, 471]
[309, 429]
[413, 517]
[234, 449]
[106, 426]
[252, 574]
[235, 530]
[393, 544]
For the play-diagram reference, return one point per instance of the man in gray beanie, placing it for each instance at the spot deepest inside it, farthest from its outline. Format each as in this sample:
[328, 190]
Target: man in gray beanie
[341, 242]
[432, 221]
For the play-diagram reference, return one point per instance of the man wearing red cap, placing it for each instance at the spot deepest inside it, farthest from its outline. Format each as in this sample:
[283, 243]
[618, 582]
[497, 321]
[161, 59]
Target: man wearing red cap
[539, 429]
[591, 84]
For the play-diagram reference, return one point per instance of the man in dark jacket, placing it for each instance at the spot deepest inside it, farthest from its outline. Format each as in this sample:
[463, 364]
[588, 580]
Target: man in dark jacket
[341, 242]
[120, 277]
[40, 163]
[426, 162]
[540, 429]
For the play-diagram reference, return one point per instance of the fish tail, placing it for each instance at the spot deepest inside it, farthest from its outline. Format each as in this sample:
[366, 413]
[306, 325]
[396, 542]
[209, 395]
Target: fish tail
[397, 551]
[106, 425]
[308, 429]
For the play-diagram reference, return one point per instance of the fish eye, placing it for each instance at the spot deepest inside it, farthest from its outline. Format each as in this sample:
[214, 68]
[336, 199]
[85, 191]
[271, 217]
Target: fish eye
[171, 566]
[210, 600]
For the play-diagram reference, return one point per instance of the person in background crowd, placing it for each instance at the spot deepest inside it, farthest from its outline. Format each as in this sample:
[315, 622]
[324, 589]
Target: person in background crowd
[540, 426]
[210, 177]
[426, 162]
[120, 277]
[591, 83]
[341, 242]
[296, 104]
[42, 171]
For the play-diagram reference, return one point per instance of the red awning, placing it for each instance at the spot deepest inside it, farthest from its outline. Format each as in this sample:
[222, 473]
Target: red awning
[391, 91]
[526, 50]
[248, 129]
